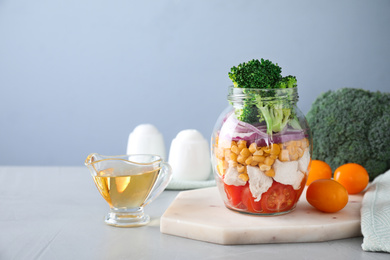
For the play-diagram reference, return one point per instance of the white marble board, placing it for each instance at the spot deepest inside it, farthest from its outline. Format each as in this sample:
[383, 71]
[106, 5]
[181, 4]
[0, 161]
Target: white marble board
[201, 215]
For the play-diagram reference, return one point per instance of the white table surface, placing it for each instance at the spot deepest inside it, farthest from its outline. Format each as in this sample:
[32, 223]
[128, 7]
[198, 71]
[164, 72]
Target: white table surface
[57, 213]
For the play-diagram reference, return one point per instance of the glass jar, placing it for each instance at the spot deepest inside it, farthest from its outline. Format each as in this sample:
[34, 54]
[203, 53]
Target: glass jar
[261, 151]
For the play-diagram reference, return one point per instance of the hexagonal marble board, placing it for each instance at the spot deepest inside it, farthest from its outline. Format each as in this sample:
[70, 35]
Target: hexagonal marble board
[201, 215]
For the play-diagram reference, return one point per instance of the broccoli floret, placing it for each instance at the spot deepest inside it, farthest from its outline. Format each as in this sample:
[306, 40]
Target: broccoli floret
[352, 126]
[264, 75]
[255, 74]
[249, 113]
[287, 82]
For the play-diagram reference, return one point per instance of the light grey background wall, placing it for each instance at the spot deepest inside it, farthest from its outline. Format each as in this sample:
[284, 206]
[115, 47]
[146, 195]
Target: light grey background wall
[77, 76]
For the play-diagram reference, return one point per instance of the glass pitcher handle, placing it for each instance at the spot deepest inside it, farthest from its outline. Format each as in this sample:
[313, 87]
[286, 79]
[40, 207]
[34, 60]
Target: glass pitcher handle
[162, 182]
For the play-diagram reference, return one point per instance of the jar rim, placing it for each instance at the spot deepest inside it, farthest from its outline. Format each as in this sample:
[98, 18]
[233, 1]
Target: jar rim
[261, 89]
[239, 94]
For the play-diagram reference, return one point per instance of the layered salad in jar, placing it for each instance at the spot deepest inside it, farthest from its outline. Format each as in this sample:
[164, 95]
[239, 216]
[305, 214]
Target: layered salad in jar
[261, 145]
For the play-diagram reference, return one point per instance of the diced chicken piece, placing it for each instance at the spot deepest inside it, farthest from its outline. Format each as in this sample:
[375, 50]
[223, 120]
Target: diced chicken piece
[231, 177]
[303, 163]
[287, 173]
[225, 144]
[258, 182]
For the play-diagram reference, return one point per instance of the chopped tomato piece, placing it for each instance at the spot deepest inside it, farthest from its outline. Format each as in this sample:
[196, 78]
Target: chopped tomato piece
[278, 198]
[249, 201]
[233, 194]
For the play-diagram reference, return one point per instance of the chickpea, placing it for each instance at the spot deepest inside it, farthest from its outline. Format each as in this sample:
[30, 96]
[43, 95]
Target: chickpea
[254, 163]
[269, 161]
[258, 158]
[305, 143]
[275, 149]
[258, 152]
[249, 160]
[241, 159]
[266, 149]
[253, 148]
[241, 168]
[264, 167]
[235, 149]
[245, 152]
[291, 149]
[294, 156]
[243, 176]
[270, 173]
[241, 144]
[233, 157]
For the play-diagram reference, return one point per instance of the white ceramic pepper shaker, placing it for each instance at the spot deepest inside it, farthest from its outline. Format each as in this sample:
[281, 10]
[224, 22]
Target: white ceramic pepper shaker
[189, 156]
[146, 139]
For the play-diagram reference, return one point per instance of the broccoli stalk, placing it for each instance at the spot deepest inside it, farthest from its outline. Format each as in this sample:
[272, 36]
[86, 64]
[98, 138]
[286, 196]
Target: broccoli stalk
[294, 123]
[266, 113]
[283, 119]
[264, 74]
[274, 114]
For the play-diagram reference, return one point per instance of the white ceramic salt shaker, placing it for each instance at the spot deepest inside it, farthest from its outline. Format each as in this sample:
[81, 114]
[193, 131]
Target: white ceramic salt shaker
[189, 156]
[146, 139]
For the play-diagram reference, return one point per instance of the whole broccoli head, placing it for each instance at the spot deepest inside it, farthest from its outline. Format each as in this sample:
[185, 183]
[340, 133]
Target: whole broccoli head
[352, 126]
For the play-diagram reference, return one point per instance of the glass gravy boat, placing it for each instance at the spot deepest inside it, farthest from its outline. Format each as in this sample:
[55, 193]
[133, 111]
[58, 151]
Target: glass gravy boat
[128, 183]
